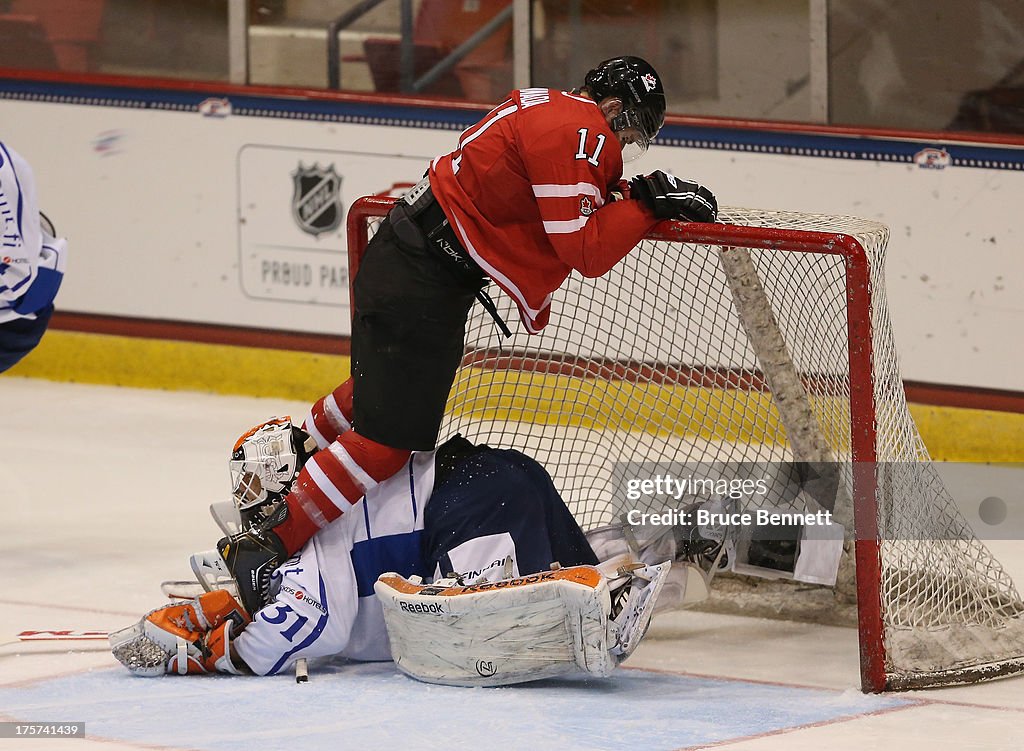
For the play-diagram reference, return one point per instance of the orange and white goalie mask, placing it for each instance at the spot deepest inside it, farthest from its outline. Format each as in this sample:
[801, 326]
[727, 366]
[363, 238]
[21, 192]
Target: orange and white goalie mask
[264, 464]
[567, 620]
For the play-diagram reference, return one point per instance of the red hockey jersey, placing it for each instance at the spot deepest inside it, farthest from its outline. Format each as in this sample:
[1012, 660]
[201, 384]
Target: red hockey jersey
[527, 193]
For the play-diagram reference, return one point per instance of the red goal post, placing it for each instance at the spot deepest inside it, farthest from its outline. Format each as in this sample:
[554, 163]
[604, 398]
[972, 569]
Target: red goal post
[765, 338]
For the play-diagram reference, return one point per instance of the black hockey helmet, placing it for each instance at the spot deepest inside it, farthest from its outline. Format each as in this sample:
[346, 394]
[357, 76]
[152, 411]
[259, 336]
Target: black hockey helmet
[638, 85]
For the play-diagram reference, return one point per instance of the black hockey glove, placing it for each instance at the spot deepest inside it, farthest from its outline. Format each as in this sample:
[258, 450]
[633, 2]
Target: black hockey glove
[252, 556]
[669, 197]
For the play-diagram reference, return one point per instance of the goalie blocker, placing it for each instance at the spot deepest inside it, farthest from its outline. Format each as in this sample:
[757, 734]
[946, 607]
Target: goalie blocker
[521, 629]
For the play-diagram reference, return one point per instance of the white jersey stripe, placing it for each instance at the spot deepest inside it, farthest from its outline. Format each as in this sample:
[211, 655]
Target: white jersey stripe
[506, 283]
[309, 507]
[579, 98]
[337, 418]
[328, 488]
[352, 467]
[504, 112]
[309, 425]
[566, 227]
[477, 124]
[562, 190]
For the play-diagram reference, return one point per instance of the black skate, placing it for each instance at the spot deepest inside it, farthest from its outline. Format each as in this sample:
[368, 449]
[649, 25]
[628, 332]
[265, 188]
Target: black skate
[704, 544]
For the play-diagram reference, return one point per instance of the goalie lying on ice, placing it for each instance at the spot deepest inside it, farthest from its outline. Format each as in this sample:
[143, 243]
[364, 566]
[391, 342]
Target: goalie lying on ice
[532, 599]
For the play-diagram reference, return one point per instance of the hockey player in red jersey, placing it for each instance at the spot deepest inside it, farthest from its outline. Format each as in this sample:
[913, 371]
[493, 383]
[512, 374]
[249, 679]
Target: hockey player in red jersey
[531, 192]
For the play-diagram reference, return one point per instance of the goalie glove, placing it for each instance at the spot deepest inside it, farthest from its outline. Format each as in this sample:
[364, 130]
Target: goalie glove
[670, 197]
[244, 563]
[252, 557]
[187, 637]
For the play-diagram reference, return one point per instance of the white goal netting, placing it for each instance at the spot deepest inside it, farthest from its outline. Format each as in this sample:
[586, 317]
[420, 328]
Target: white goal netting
[694, 351]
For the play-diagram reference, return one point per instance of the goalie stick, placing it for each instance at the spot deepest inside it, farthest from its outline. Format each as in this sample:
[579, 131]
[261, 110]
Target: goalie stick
[181, 589]
[67, 634]
[174, 589]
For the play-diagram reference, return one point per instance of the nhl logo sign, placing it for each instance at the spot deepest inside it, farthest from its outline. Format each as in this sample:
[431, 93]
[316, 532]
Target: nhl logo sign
[316, 200]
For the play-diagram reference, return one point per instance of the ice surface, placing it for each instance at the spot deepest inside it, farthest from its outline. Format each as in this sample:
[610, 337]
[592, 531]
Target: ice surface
[105, 493]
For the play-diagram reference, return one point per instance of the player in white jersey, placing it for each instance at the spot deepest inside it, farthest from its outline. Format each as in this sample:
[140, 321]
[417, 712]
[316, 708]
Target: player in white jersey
[491, 514]
[321, 601]
[32, 261]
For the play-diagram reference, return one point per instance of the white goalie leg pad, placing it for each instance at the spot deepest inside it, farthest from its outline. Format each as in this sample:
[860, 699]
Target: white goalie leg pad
[510, 631]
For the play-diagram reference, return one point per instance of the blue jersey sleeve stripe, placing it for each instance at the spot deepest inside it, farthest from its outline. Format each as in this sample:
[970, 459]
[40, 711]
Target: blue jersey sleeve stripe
[41, 292]
[17, 183]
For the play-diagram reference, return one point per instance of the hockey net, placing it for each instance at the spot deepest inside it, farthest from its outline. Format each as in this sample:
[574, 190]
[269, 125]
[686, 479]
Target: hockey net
[761, 341]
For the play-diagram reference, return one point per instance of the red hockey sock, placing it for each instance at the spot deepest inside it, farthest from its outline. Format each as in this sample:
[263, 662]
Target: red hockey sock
[330, 416]
[332, 481]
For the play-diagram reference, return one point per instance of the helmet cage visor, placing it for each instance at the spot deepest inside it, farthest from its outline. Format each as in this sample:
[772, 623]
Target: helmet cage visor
[264, 463]
[645, 125]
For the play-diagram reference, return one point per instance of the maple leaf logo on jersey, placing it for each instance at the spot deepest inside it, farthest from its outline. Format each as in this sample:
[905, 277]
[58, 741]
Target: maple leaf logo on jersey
[586, 206]
[316, 201]
[650, 82]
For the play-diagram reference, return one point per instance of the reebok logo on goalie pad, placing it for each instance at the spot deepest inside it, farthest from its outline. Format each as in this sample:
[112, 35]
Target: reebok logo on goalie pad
[433, 608]
[510, 583]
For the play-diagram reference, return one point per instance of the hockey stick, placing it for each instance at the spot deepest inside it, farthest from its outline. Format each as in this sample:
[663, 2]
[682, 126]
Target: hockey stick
[68, 634]
[181, 589]
[173, 589]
